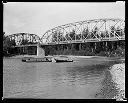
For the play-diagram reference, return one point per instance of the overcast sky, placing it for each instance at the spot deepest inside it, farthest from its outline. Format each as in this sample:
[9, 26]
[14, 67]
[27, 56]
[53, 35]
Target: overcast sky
[39, 17]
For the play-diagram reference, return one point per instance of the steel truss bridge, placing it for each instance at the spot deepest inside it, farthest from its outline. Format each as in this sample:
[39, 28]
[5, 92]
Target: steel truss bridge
[78, 32]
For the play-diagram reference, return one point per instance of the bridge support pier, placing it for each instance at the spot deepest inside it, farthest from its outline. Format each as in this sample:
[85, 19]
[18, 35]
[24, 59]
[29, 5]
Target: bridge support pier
[80, 46]
[95, 46]
[112, 45]
[40, 51]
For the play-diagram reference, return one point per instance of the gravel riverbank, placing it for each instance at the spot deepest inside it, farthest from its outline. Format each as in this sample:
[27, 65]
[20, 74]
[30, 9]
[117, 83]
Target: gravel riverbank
[118, 77]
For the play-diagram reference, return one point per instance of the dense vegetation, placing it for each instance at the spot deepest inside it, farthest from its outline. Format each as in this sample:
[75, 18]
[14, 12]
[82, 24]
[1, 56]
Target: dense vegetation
[117, 49]
[7, 45]
[8, 49]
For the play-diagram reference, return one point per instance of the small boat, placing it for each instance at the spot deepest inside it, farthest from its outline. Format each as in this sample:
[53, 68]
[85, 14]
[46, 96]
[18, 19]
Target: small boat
[26, 58]
[61, 60]
[64, 60]
[46, 59]
[36, 60]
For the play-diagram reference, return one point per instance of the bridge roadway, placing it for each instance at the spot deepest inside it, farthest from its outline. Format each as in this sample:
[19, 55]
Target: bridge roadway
[75, 41]
[84, 41]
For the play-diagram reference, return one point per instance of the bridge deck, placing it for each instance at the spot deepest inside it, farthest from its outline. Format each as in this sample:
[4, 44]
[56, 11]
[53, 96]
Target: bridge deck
[74, 41]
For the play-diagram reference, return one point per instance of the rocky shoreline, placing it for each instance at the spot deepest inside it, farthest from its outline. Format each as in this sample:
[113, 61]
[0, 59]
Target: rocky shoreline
[118, 77]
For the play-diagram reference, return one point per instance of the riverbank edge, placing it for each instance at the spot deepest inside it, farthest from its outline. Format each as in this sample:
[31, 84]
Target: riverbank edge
[118, 76]
[69, 56]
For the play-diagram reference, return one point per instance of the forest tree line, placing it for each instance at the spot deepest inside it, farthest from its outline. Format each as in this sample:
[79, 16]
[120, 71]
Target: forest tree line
[113, 49]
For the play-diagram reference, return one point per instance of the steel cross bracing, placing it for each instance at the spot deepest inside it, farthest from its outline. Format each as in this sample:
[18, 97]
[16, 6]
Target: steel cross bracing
[78, 32]
[24, 36]
[86, 31]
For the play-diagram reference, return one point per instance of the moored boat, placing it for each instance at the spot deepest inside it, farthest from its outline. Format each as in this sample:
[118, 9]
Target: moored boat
[36, 60]
[61, 60]
[64, 60]
[47, 59]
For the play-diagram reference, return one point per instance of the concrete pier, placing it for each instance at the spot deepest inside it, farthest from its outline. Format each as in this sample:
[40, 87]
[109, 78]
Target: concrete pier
[40, 51]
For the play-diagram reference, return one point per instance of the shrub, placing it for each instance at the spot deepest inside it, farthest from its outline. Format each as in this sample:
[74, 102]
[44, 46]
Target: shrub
[102, 53]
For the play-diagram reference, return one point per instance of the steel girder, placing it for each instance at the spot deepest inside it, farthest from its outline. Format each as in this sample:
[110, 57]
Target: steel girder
[18, 37]
[86, 31]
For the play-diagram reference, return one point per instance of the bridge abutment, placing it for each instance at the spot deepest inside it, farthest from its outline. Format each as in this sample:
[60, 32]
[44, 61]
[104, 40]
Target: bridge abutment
[40, 51]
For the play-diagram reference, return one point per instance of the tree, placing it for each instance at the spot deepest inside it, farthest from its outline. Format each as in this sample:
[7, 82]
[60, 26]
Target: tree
[58, 36]
[72, 34]
[7, 44]
[102, 34]
[4, 37]
[54, 36]
[24, 42]
[67, 36]
[112, 29]
[94, 32]
[85, 32]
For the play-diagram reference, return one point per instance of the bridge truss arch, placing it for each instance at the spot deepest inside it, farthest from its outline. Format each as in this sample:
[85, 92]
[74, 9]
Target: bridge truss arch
[86, 31]
[19, 37]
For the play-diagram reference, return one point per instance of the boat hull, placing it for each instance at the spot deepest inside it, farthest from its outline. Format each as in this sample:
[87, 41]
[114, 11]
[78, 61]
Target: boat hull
[36, 60]
[64, 61]
[46, 59]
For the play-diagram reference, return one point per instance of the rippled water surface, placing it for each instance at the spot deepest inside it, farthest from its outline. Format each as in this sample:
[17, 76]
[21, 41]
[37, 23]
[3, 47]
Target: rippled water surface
[84, 78]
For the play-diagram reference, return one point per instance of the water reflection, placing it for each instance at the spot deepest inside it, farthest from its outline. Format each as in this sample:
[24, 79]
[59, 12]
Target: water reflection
[86, 74]
[27, 74]
[79, 80]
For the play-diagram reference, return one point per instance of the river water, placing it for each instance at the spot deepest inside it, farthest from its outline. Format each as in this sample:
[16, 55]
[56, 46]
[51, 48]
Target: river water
[85, 78]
